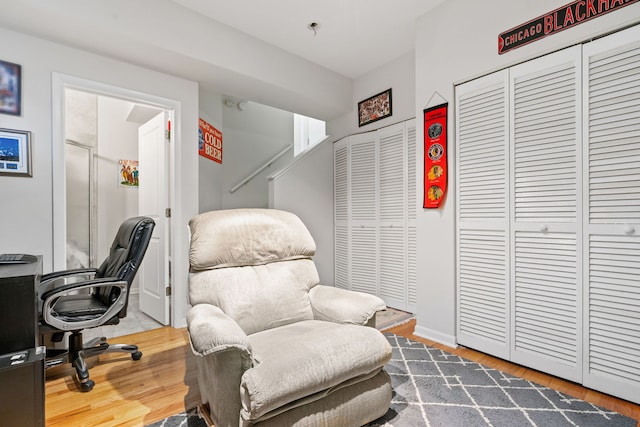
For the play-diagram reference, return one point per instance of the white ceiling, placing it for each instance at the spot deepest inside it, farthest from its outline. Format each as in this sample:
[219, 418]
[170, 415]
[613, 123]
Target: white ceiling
[353, 36]
[255, 50]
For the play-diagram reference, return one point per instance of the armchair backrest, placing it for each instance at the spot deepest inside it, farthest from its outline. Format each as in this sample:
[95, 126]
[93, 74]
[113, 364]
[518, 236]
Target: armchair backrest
[125, 256]
[254, 264]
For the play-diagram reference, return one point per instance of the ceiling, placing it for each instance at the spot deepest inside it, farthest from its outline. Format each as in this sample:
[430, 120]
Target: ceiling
[352, 38]
[254, 50]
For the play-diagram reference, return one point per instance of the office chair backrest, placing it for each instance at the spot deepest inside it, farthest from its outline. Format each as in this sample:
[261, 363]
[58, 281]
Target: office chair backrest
[125, 256]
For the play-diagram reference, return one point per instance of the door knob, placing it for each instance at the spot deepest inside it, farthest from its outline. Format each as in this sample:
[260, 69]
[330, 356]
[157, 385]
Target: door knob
[544, 229]
[629, 230]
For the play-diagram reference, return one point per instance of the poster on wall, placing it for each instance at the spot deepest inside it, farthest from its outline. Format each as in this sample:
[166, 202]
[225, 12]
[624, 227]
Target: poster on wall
[209, 141]
[10, 76]
[435, 155]
[128, 173]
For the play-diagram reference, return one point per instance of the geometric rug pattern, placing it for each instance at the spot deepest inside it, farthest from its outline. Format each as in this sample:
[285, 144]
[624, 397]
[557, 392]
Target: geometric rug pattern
[435, 388]
[184, 419]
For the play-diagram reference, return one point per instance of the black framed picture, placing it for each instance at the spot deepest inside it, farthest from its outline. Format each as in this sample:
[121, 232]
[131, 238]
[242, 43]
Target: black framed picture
[10, 83]
[375, 108]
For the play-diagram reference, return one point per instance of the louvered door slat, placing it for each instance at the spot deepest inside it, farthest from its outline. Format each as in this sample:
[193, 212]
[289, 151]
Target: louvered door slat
[482, 266]
[482, 214]
[550, 291]
[412, 202]
[340, 178]
[392, 253]
[612, 221]
[391, 175]
[535, 115]
[545, 162]
[362, 172]
[342, 257]
[364, 271]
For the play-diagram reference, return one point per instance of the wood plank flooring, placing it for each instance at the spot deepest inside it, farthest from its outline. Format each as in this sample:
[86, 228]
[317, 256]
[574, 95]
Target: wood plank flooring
[164, 382]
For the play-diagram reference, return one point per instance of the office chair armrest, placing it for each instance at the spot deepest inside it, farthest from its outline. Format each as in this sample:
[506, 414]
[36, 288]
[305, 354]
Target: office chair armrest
[212, 331]
[54, 280]
[64, 289]
[344, 306]
[51, 297]
[67, 273]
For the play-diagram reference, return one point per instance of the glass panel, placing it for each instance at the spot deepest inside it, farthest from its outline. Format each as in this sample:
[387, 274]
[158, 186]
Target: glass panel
[77, 168]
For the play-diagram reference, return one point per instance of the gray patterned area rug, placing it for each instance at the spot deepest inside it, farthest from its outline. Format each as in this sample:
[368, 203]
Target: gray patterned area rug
[434, 388]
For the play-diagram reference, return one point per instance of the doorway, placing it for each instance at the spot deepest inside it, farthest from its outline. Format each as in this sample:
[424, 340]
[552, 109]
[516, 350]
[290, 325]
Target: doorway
[101, 140]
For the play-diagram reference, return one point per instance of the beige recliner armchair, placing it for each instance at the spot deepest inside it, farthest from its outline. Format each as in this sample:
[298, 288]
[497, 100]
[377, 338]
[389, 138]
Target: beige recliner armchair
[276, 348]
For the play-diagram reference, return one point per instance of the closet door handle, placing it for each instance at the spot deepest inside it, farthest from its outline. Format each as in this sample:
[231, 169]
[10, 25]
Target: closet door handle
[544, 228]
[629, 230]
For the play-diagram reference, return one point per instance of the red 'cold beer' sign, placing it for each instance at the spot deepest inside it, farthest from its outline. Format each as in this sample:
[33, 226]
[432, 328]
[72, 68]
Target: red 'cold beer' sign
[560, 19]
[209, 141]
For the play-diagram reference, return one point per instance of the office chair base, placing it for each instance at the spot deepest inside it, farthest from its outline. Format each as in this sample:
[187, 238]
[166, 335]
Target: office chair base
[78, 353]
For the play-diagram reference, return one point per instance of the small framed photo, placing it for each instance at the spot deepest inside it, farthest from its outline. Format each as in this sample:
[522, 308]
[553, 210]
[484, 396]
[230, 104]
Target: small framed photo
[15, 152]
[375, 108]
[128, 173]
[10, 83]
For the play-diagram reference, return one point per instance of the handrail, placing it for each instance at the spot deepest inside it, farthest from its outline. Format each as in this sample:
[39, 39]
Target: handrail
[260, 169]
[299, 158]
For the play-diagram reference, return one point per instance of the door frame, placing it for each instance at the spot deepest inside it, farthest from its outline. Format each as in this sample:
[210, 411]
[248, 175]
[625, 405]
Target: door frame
[59, 83]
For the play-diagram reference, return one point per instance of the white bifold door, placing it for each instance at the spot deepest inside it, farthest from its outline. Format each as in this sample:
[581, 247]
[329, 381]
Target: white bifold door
[548, 214]
[375, 205]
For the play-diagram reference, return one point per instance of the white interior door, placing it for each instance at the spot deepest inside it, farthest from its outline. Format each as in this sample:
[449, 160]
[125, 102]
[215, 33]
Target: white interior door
[154, 275]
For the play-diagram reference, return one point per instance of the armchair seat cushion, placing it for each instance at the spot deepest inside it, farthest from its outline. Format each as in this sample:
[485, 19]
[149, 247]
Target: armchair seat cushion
[299, 360]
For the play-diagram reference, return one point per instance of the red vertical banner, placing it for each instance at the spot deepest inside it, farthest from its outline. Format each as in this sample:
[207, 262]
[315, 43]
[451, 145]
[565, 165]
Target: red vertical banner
[435, 155]
[209, 141]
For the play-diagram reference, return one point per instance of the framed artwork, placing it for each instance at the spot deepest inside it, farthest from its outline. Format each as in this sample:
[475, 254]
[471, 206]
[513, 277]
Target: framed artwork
[15, 152]
[375, 108]
[10, 81]
[128, 173]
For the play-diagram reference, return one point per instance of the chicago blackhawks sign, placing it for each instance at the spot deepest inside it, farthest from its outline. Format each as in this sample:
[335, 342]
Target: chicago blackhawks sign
[560, 19]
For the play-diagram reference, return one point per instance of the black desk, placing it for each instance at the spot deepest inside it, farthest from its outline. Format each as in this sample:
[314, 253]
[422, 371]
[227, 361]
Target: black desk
[21, 359]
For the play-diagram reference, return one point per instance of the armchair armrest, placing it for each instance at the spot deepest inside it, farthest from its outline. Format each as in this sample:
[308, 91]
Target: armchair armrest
[343, 306]
[212, 331]
[51, 296]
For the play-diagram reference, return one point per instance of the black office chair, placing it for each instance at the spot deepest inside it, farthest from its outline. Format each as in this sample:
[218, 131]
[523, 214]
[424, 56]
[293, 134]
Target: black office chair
[78, 299]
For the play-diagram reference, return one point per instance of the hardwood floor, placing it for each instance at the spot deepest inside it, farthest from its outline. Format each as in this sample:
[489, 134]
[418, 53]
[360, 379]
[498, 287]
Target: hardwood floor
[164, 382]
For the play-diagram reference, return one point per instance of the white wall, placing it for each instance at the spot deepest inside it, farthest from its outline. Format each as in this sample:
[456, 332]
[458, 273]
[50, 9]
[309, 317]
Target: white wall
[27, 203]
[456, 42]
[306, 189]
[250, 138]
[224, 59]
[399, 75]
[210, 172]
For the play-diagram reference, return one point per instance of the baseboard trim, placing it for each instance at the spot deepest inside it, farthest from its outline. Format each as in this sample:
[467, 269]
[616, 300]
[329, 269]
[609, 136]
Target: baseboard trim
[439, 337]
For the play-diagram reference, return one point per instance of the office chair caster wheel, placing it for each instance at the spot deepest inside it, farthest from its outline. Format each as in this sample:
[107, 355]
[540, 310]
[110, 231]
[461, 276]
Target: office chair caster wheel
[87, 385]
[137, 355]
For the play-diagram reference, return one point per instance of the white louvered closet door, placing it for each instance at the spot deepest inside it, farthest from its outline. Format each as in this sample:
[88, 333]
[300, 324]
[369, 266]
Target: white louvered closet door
[482, 189]
[612, 219]
[363, 197]
[546, 299]
[392, 215]
[341, 212]
[412, 207]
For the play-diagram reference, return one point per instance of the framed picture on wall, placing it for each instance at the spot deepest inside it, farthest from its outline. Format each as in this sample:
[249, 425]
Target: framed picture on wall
[375, 108]
[128, 173]
[10, 81]
[15, 152]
